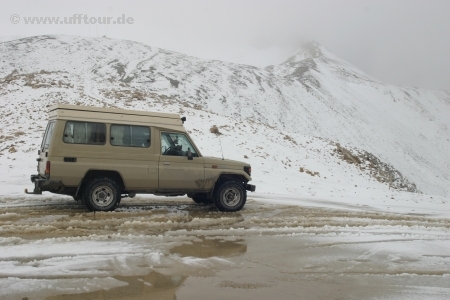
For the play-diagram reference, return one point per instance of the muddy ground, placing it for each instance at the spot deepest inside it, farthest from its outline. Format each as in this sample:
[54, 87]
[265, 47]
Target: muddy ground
[175, 249]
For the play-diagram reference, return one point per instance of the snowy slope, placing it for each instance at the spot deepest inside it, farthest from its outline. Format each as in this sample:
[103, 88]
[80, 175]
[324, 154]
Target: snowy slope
[282, 117]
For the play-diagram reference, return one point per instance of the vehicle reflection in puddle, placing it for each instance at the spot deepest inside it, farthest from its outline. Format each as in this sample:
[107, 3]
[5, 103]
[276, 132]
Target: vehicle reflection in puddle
[159, 286]
[151, 286]
[210, 248]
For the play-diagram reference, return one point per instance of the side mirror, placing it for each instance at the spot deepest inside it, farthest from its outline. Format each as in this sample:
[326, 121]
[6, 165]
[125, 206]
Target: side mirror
[189, 154]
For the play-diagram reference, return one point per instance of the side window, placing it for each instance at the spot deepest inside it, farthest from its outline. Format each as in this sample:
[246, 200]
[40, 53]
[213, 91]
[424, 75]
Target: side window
[84, 133]
[130, 136]
[176, 144]
[48, 135]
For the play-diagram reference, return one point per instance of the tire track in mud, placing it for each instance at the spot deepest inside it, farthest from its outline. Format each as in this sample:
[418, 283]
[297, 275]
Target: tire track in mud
[56, 218]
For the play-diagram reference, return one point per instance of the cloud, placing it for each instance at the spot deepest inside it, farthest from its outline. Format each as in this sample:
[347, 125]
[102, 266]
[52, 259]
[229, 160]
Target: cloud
[399, 42]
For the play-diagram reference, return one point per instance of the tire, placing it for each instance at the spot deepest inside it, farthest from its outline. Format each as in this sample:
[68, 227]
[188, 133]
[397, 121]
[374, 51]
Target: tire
[230, 196]
[101, 194]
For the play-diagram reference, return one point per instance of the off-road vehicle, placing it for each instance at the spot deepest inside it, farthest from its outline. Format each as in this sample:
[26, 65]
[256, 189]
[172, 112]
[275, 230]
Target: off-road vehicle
[100, 155]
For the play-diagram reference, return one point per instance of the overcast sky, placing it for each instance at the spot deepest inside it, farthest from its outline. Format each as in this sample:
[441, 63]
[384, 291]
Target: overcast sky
[400, 42]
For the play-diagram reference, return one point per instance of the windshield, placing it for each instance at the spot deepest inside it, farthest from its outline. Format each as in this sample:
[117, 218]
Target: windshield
[48, 135]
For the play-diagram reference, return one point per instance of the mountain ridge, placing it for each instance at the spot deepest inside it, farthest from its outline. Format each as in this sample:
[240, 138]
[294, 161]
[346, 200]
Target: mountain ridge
[319, 95]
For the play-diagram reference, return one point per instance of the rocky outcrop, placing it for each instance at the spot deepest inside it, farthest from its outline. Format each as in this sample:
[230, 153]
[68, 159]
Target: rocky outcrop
[379, 170]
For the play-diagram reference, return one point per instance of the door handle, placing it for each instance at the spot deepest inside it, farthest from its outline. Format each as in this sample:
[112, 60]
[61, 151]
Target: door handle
[166, 163]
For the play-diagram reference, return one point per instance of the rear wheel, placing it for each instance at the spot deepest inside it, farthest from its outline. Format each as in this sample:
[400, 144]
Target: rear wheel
[101, 194]
[230, 196]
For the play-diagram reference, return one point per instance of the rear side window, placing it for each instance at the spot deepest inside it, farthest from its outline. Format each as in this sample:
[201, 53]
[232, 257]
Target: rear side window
[130, 136]
[84, 133]
[48, 135]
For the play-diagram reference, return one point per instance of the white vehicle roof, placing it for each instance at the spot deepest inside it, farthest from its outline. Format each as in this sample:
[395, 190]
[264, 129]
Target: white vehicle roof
[116, 116]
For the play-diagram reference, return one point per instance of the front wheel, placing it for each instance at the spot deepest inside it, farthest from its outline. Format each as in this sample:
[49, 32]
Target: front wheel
[101, 194]
[230, 196]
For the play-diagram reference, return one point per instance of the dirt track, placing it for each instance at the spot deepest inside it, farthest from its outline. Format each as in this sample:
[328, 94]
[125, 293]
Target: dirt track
[264, 251]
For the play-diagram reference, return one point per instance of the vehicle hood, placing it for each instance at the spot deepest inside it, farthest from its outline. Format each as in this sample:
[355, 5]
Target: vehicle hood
[228, 162]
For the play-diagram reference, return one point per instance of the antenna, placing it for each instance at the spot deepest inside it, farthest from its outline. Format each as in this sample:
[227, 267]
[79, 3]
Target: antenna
[220, 141]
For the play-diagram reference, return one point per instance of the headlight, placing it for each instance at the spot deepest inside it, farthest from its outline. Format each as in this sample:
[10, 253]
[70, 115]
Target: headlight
[248, 170]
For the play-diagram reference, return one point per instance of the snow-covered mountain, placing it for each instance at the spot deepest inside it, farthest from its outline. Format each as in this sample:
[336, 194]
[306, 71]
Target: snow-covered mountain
[285, 118]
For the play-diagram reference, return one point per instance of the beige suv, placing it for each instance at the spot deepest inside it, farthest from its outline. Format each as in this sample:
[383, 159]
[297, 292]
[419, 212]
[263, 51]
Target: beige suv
[100, 155]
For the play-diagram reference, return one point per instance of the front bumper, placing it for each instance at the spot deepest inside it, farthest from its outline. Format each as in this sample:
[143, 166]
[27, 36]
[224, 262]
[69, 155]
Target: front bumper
[43, 184]
[250, 187]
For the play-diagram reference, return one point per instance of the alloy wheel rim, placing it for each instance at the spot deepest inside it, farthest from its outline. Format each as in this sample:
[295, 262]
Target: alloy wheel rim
[103, 196]
[232, 197]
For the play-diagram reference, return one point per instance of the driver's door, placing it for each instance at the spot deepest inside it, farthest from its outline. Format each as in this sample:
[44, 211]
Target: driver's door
[176, 172]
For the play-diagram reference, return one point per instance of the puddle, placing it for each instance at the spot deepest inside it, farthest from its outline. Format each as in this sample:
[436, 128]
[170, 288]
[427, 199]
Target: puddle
[159, 286]
[210, 248]
[152, 286]
[191, 251]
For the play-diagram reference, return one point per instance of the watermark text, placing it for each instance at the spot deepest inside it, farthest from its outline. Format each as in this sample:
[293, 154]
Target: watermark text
[76, 19]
